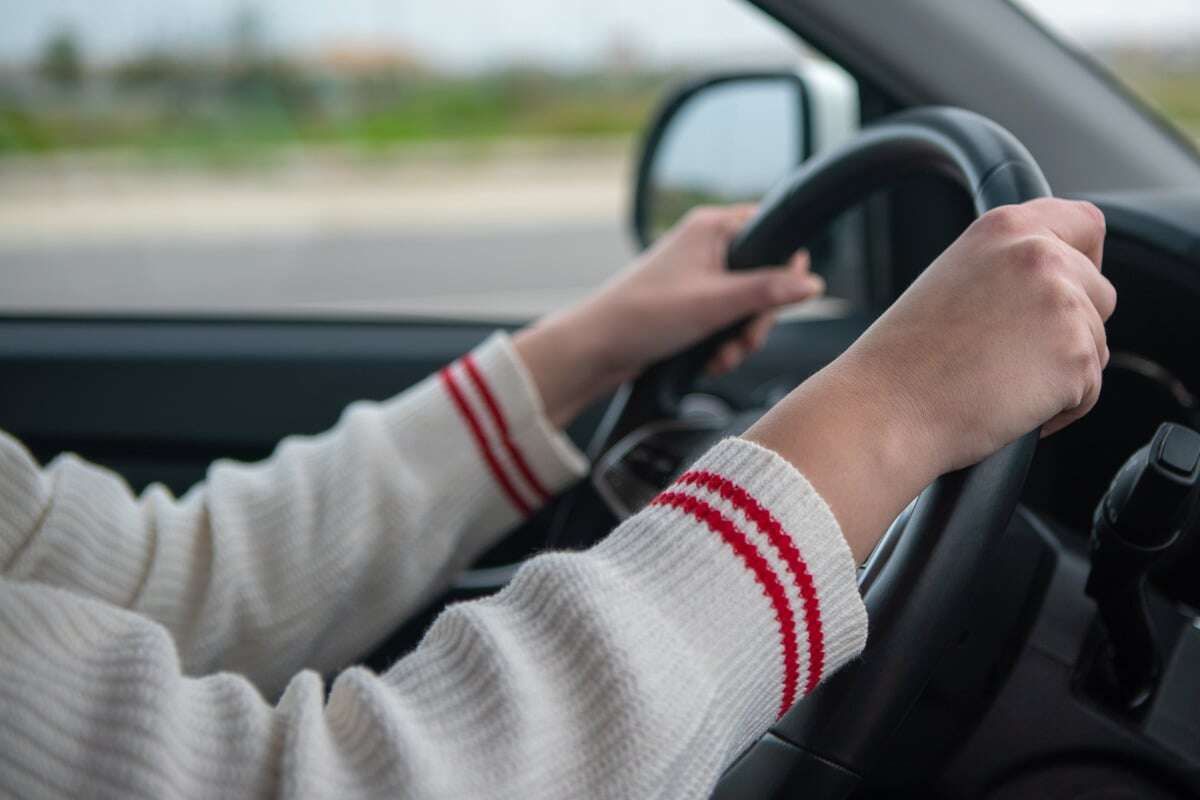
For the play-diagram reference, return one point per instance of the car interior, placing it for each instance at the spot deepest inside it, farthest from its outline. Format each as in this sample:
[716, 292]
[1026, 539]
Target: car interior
[1035, 624]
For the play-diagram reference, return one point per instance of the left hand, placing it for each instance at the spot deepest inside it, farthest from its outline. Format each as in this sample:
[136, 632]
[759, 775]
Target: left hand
[672, 297]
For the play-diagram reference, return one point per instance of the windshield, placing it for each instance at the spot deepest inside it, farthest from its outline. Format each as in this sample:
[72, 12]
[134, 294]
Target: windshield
[1151, 46]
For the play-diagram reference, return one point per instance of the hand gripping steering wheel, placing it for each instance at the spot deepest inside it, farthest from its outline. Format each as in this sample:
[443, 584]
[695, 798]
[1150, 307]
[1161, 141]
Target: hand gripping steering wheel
[916, 583]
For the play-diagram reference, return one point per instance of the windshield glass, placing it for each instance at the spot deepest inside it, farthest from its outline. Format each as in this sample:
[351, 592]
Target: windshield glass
[1151, 46]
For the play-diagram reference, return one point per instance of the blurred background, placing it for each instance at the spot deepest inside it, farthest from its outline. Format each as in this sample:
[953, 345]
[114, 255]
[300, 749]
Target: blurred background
[394, 157]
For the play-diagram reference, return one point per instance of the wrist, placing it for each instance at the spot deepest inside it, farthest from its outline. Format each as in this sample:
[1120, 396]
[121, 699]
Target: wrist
[912, 433]
[856, 443]
[566, 355]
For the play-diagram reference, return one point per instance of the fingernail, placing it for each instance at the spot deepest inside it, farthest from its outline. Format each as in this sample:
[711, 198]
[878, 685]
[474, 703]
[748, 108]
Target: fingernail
[814, 284]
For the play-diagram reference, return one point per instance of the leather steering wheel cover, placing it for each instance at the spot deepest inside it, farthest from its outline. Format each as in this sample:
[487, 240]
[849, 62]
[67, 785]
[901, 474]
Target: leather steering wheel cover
[985, 159]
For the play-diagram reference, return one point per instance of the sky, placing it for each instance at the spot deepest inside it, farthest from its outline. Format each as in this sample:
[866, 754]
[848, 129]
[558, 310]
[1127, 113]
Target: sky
[476, 33]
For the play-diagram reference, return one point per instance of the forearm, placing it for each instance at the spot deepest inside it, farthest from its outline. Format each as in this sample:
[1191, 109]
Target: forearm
[310, 557]
[666, 649]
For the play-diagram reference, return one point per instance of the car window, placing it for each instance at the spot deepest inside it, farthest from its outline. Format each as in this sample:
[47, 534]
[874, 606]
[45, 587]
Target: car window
[303, 158]
[1149, 45]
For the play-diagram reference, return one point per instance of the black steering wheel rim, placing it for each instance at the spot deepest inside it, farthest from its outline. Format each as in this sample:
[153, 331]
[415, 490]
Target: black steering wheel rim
[916, 596]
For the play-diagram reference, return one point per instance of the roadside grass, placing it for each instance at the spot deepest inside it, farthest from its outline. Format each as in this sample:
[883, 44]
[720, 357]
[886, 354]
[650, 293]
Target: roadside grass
[215, 126]
[1174, 96]
[237, 121]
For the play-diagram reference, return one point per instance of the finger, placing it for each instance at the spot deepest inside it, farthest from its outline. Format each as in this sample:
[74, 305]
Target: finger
[800, 261]
[1100, 292]
[727, 357]
[756, 291]
[1095, 326]
[749, 340]
[1077, 222]
[1092, 395]
[1071, 415]
[754, 335]
[1065, 418]
[1099, 336]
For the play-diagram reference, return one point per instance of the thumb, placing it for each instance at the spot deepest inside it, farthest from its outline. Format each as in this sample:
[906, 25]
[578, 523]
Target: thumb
[755, 291]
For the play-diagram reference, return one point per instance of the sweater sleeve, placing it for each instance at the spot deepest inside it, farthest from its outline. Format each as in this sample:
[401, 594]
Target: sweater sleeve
[310, 557]
[639, 668]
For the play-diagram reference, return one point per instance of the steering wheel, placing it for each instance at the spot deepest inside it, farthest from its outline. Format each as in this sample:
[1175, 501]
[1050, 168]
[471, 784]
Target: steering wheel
[915, 584]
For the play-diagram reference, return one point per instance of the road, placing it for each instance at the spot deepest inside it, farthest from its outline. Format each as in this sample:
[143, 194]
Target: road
[508, 273]
[509, 235]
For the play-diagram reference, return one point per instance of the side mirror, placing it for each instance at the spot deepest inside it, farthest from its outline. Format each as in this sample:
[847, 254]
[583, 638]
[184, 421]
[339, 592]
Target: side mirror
[729, 138]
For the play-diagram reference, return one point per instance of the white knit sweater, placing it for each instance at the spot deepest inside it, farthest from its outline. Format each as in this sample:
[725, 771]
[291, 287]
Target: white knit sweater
[158, 647]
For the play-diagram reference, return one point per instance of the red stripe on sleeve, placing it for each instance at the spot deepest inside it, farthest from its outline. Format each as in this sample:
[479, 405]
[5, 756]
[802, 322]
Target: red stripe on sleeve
[753, 560]
[773, 530]
[502, 425]
[485, 449]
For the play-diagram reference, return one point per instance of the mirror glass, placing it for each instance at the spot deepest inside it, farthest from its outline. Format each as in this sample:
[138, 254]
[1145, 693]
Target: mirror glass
[730, 142]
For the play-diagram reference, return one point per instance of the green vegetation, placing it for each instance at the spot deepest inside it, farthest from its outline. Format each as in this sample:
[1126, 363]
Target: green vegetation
[1166, 77]
[61, 61]
[162, 106]
[1175, 96]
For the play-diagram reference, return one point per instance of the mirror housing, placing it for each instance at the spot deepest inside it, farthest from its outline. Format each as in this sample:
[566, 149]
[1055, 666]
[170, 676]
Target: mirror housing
[729, 137]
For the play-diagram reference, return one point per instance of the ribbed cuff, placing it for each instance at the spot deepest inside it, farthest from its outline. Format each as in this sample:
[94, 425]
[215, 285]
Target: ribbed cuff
[552, 455]
[497, 405]
[747, 559]
[779, 495]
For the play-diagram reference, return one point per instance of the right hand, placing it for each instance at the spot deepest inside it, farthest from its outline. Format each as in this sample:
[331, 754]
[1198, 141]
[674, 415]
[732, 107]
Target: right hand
[1002, 333]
